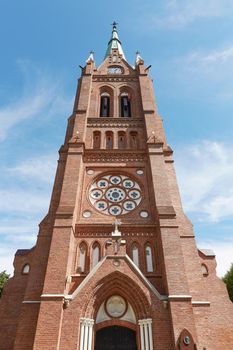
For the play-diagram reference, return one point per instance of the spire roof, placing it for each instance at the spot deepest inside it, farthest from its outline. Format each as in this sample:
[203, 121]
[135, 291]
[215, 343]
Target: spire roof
[114, 43]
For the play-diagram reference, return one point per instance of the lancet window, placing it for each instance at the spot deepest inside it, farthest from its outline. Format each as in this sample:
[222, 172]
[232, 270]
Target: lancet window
[135, 254]
[95, 256]
[82, 257]
[149, 258]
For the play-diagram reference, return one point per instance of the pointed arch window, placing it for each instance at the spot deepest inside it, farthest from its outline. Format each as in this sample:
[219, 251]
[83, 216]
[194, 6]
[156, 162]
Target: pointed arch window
[105, 105]
[125, 106]
[149, 258]
[95, 256]
[135, 254]
[82, 257]
[121, 140]
[96, 139]
[109, 140]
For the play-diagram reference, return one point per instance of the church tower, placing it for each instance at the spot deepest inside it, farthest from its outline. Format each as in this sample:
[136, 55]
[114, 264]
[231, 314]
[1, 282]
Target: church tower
[115, 265]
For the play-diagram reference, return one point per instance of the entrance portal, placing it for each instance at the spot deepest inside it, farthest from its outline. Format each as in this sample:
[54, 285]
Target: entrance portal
[115, 338]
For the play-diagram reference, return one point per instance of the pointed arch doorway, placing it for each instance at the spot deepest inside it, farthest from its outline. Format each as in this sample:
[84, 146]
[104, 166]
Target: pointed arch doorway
[115, 338]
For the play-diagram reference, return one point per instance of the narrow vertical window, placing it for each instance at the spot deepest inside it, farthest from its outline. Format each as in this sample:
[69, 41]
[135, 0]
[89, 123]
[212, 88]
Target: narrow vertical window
[104, 106]
[95, 258]
[82, 257]
[96, 139]
[149, 259]
[125, 107]
[134, 140]
[121, 140]
[109, 140]
[135, 254]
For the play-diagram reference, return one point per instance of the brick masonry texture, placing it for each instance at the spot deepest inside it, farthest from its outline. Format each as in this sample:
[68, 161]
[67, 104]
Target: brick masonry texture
[41, 310]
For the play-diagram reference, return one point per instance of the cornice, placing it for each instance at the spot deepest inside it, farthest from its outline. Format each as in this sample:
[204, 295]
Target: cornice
[114, 156]
[114, 122]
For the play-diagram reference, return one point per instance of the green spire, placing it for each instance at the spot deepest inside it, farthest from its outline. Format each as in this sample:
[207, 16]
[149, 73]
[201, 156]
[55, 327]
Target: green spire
[114, 43]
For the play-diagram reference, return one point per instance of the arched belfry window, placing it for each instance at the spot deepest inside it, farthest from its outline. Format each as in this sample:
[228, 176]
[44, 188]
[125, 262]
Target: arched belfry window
[135, 254]
[96, 139]
[109, 140]
[121, 140]
[95, 256]
[149, 258]
[82, 257]
[105, 105]
[125, 106]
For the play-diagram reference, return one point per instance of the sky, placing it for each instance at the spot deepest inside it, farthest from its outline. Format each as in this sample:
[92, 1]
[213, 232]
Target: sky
[190, 47]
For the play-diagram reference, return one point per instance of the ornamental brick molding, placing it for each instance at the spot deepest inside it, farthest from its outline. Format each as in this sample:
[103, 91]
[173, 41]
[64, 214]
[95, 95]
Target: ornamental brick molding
[115, 168]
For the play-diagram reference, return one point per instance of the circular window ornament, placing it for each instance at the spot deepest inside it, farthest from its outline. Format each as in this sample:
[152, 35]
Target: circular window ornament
[115, 180]
[115, 194]
[87, 214]
[144, 214]
[116, 306]
[129, 205]
[140, 172]
[96, 194]
[102, 183]
[187, 340]
[115, 210]
[90, 172]
[101, 205]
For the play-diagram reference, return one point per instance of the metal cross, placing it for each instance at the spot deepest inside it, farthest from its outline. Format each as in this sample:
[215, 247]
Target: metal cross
[114, 24]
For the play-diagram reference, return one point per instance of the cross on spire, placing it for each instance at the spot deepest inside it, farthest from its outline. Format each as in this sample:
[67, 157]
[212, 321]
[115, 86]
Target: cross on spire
[114, 24]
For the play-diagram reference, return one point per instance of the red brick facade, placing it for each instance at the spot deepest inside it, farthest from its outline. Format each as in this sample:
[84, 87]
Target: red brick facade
[168, 288]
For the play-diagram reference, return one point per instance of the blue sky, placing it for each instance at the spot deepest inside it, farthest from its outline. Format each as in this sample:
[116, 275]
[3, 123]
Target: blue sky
[190, 47]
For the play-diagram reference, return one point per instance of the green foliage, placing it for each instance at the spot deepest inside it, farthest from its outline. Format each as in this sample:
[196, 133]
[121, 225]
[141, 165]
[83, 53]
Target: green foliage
[3, 279]
[228, 279]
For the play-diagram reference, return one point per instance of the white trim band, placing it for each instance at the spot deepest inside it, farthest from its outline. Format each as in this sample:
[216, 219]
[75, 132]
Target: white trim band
[201, 303]
[67, 297]
[179, 296]
[31, 302]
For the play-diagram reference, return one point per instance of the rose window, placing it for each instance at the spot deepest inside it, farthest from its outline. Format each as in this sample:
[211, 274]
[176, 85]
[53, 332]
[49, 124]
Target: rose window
[115, 194]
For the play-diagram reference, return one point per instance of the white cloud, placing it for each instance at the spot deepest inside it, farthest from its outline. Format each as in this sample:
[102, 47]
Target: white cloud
[36, 168]
[20, 201]
[178, 14]
[42, 96]
[205, 173]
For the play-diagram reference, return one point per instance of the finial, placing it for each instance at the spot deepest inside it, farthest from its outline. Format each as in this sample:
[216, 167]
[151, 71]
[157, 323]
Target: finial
[114, 25]
[91, 57]
[138, 58]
